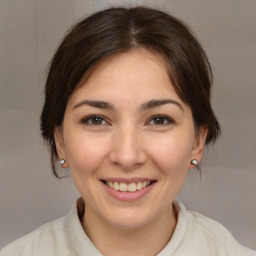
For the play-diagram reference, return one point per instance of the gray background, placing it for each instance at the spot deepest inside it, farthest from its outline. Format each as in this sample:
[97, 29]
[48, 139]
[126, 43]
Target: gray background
[30, 30]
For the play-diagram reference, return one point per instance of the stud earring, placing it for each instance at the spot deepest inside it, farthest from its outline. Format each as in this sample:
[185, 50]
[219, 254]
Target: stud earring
[62, 161]
[194, 162]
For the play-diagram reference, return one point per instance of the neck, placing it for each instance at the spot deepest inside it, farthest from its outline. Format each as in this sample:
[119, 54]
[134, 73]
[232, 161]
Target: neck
[147, 240]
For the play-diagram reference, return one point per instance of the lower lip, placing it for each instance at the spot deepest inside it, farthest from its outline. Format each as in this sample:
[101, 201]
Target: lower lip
[128, 196]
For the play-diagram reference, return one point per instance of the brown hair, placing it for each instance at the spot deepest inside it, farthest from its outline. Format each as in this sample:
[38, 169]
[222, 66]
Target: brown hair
[117, 30]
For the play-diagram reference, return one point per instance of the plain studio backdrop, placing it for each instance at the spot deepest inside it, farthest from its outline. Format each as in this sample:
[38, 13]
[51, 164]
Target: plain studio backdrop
[30, 31]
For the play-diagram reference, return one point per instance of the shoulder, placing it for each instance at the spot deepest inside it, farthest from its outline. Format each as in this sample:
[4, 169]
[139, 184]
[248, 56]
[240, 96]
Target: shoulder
[209, 234]
[43, 241]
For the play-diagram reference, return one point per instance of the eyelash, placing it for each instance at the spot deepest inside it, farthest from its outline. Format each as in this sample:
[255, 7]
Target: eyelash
[167, 120]
[89, 120]
[93, 117]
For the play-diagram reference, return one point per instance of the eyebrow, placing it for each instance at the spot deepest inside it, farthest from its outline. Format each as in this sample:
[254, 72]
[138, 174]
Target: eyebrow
[96, 104]
[156, 103]
[146, 106]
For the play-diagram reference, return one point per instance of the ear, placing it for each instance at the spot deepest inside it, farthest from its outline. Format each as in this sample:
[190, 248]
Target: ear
[60, 145]
[198, 147]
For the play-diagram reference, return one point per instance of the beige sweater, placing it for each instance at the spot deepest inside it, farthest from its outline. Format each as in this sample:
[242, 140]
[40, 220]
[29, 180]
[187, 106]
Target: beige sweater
[194, 235]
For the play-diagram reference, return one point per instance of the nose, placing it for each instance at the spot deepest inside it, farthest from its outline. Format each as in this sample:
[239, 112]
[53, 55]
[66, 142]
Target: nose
[127, 149]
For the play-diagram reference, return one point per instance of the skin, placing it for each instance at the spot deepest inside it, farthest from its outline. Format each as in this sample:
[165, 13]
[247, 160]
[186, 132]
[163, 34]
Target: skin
[127, 142]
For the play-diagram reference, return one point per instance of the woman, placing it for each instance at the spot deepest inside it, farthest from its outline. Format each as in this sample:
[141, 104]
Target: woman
[127, 110]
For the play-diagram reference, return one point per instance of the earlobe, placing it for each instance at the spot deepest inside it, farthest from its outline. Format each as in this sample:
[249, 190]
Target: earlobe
[63, 162]
[60, 147]
[198, 147]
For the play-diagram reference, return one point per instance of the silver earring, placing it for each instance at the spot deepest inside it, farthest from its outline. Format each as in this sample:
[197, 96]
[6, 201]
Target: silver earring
[194, 162]
[62, 161]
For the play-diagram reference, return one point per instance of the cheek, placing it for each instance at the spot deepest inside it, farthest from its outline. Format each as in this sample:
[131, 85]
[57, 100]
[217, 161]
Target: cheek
[172, 153]
[85, 153]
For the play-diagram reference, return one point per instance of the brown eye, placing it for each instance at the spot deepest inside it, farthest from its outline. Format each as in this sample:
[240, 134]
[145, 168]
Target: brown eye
[94, 120]
[160, 120]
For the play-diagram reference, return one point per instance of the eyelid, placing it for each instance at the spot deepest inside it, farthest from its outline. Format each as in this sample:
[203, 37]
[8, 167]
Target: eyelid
[169, 119]
[87, 118]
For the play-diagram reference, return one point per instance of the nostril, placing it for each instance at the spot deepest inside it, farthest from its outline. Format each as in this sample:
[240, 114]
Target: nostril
[127, 162]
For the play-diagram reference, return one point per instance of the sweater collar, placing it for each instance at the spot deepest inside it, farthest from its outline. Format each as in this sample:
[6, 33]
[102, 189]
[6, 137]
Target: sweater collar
[79, 242]
[81, 245]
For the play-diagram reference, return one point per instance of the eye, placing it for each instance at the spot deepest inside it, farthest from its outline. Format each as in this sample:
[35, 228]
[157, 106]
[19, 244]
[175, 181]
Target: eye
[160, 120]
[95, 120]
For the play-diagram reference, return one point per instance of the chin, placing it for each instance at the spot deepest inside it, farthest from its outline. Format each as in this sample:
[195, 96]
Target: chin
[130, 219]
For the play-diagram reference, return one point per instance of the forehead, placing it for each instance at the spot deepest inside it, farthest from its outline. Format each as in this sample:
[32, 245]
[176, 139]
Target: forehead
[132, 72]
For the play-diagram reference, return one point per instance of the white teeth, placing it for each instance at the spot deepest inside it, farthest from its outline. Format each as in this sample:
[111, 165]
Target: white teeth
[123, 187]
[132, 187]
[139, 186]
[116, 186]
[110, 184]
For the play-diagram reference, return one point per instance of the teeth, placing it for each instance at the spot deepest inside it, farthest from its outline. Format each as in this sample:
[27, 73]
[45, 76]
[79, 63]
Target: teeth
[111, 184]
[116, 186]
[132, 187]
[139, 185]
[123, 187]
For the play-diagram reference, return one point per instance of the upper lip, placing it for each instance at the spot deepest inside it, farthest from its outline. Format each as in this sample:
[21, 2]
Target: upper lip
[128, 180]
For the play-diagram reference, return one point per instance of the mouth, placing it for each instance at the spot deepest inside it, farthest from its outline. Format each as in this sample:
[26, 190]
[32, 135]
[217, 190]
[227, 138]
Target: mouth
[131, 187]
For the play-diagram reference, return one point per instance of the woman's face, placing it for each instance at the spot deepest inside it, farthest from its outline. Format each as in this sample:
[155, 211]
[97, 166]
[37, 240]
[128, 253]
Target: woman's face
[128, 139]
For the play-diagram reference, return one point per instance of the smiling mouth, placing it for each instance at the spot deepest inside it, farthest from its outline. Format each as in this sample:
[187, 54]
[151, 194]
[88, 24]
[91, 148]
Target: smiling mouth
[131, 187]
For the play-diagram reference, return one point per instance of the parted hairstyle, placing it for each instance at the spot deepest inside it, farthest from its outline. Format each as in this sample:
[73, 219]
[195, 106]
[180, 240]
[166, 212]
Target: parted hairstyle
[119, 30]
